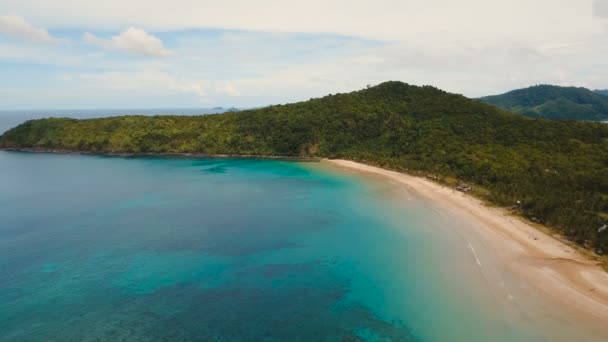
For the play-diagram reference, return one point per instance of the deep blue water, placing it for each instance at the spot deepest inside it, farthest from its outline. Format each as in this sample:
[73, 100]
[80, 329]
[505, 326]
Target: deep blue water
[141, 249]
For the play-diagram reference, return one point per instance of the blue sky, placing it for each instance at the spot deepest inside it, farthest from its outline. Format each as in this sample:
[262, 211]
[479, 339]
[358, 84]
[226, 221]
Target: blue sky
[201, 67]
[186, 53]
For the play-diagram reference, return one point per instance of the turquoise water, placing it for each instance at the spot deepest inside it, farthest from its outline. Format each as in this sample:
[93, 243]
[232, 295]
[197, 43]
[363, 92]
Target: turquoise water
[106, 248]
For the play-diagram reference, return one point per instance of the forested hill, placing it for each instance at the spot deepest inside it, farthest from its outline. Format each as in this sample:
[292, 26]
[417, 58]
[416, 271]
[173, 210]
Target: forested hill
[553, 102]
[602, 92]
[558, 171]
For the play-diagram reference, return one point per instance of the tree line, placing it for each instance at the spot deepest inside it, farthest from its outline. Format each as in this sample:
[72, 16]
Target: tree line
[552, 172]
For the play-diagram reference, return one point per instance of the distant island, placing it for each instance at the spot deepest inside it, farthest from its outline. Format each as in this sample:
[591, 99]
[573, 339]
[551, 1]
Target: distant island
[552, 172]
[222, 109]
[554, 102]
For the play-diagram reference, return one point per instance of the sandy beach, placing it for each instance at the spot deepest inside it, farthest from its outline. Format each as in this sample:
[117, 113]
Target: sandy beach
[564, 276]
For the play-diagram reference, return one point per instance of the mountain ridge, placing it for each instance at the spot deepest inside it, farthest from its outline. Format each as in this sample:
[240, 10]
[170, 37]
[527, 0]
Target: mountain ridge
[553, 102]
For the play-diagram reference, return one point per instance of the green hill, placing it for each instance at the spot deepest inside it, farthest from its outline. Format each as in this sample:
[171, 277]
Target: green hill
[553, 102]
[557, 171]
[601, 92]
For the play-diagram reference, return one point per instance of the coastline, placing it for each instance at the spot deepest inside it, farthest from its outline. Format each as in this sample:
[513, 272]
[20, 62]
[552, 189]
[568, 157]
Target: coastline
[560, 272]
[568, 278]
[157, 154]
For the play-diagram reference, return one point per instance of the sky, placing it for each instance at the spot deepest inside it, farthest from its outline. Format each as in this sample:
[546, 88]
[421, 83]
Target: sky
[65, 54]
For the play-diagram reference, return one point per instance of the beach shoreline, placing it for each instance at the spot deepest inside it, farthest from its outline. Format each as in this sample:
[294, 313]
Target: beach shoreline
[563, 274]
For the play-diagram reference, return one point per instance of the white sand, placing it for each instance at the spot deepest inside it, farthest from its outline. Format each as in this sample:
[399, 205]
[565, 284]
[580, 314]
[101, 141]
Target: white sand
[561, 273]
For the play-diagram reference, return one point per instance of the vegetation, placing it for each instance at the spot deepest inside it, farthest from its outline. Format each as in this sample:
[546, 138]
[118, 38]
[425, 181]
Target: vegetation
[602, 92]
[553, 172]
[553, 102]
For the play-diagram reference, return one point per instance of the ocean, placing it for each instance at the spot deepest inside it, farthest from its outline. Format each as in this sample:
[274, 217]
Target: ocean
[110, 248]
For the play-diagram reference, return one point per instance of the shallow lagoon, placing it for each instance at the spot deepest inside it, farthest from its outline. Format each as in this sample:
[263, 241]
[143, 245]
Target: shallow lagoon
[108, 248]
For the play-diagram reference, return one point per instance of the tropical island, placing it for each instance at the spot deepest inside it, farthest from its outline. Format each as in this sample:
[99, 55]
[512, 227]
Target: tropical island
[553, 173]
[554, 102]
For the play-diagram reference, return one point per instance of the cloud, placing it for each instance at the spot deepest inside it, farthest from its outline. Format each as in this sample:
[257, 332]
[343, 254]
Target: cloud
[229, 90]
[18, 27]
[270, 51]
[600, 8]
[133, 40]
[150, 82]
[377, 19]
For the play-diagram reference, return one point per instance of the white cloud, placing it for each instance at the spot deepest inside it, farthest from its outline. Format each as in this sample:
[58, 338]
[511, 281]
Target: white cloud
[229, 90]
[150, 82]
[280, 51]
[132, 40]
[17, 27]
[378, 19]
